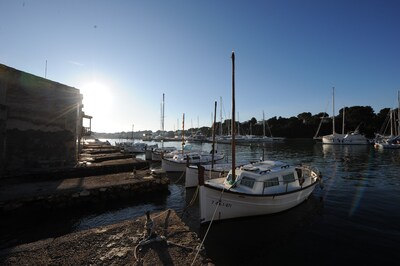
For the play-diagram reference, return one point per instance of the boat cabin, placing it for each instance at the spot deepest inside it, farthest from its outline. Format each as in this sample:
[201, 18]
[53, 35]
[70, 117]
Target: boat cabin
[269, 177]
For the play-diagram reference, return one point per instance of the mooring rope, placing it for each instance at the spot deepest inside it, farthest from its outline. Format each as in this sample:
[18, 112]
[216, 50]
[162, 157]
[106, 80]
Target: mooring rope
[156, 238]
[179, 179]
[149, 240]
[209, 227]
[192, 201]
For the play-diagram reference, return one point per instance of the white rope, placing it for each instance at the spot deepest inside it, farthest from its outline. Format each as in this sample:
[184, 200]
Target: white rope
[158, 215]
[209, 226]
[179, 179]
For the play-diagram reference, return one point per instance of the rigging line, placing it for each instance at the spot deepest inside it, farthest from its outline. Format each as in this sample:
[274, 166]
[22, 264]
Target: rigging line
[179, 179]
[158, 215]
[209, 227]
[192, 201]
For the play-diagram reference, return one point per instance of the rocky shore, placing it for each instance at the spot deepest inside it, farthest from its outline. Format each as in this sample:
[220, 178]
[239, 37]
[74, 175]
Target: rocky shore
[170, 242]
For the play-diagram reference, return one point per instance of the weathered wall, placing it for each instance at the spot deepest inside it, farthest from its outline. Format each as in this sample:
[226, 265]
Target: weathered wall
[40, 122]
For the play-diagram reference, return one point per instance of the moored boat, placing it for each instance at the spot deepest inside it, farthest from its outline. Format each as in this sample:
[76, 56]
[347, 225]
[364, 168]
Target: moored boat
[351, 138]
[260, 188]
[179, 161]
[158, 153]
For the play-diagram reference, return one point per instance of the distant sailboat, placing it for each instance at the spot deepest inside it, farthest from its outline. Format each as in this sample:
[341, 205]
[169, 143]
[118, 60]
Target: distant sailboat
[351, 138]
[393, 140]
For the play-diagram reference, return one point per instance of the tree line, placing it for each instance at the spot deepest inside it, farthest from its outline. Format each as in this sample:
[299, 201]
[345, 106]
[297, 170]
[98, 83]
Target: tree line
[304, 125]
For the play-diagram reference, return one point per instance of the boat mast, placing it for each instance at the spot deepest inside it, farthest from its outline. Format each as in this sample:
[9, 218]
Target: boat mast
[398, 113]
[213, 140]
[233, 118]
[220, 114]
[183, 131]
[162, 112]
[333, 110]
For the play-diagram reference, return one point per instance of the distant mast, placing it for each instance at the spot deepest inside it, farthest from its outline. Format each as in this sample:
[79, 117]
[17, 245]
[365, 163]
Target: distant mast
[233, 119]
[162, 112]
[220, 113]
[333, 110]
[398, 113]
[183, 131]
[213, 136]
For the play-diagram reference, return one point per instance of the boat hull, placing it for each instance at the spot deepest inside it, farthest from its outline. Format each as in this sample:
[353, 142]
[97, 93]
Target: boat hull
[235, 205]
[344, 140]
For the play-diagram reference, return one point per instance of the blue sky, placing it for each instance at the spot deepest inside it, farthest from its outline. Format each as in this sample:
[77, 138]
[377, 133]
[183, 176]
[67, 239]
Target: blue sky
[123, 55]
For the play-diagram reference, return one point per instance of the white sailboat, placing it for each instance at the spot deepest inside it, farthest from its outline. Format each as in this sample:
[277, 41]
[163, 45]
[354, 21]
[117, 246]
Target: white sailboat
[255, 189]
[351, 138]
[391, 141]
[179, 161]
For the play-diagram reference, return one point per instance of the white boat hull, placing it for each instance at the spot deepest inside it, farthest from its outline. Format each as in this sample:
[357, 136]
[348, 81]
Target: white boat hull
[386, 146]
[340, 139]
[235, 205]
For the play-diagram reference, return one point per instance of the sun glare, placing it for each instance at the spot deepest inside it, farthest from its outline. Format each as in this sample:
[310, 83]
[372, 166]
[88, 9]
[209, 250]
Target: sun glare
[97, 99]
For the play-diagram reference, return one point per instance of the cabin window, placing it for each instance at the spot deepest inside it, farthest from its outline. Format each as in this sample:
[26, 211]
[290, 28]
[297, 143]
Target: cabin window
[289, 178]
[271, 182]
[247, 182]
[195, 158]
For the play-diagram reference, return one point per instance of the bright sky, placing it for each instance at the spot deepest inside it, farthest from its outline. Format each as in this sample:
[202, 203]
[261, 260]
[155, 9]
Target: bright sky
[123, 55]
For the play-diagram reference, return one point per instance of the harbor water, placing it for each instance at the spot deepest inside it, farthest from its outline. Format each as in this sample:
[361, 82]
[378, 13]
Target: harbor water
[354, 218]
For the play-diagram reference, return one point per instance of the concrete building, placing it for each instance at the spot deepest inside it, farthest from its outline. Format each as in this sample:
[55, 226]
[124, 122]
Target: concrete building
[40, 123]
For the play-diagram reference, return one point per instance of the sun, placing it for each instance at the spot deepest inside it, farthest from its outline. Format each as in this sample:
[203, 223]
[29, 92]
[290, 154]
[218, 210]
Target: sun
[97, 99]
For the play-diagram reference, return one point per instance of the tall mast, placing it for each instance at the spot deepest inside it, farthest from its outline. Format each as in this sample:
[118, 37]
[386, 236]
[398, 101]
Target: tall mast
[398, 112]
[220, 114]
[233, 119]
[333, 110]
[162, 112]
[213, 139]
[183, 131]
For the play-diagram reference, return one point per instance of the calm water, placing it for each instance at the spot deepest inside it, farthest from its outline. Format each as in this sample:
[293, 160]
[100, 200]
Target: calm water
[355, 218]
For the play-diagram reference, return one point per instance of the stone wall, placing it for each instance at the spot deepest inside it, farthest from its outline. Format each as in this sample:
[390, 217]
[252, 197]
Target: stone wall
[40, 123]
